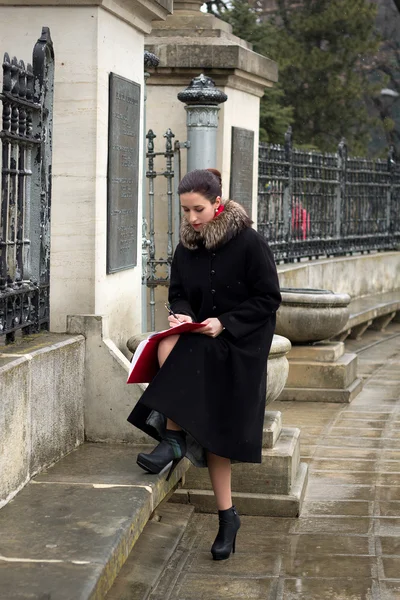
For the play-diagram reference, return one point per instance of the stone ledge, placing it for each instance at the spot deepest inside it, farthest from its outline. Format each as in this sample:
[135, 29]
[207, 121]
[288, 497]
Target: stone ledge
[369, 308]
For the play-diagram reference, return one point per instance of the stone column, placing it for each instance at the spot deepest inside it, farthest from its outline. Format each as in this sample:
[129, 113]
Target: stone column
[202, 99]
[92, 38]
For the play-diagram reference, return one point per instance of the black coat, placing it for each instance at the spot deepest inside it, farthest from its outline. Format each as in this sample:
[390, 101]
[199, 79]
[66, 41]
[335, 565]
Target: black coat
[215, 388]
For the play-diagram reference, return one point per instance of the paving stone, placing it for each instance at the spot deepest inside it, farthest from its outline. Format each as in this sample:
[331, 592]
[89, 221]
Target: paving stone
[323, 491]
[387, 509]
[354, 525]
[387, 493]
[387, 526]
[342, 465]
[388, 545]
[358, 508]
[300, 565]
[390, 590]
[209, 587]
[259, 564]
[391, 567]
[333, 477]
[329, 589]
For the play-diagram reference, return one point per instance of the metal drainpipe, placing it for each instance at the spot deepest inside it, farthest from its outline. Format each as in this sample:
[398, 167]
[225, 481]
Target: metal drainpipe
[202, 98]
[150, 60]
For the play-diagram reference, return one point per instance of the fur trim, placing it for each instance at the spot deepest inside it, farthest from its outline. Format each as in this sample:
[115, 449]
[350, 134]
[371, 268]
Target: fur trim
[217, 232]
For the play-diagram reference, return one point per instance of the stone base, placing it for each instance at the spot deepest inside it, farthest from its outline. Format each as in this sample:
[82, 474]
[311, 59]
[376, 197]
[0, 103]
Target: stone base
[259, 505]
[275, 487]
[299, 394]
[322, 372]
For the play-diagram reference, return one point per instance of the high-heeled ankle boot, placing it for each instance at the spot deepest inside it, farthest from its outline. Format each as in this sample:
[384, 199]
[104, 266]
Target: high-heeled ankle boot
[225, 542]
[171, 448]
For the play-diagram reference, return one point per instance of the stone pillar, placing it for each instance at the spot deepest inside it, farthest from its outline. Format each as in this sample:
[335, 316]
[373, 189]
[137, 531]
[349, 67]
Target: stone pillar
[92, 39]
[202, 99]
[189, 43]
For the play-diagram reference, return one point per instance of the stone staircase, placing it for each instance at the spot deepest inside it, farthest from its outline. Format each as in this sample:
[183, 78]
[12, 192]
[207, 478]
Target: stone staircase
[67, 534]
[276, 487]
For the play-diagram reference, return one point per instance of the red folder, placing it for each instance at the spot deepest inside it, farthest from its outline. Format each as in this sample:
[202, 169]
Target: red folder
[144, 365]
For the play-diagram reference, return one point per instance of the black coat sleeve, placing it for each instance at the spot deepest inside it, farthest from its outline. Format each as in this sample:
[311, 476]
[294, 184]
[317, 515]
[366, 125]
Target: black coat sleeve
[176, 294]
[263, 284]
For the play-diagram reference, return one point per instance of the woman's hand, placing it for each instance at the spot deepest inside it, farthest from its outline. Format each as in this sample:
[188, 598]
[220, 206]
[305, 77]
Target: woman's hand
[212, 327]
[173, 322]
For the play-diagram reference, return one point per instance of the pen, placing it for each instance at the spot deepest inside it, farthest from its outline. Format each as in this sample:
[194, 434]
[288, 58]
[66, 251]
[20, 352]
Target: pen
[171, 312]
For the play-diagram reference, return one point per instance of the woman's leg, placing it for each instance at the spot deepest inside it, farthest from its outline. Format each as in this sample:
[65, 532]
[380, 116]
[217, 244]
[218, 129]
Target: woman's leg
[164, 350]
[219, 469]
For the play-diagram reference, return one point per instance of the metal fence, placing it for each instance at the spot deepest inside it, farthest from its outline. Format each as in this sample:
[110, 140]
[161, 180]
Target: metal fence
[156, 269]
[27, 102]
[312, 204]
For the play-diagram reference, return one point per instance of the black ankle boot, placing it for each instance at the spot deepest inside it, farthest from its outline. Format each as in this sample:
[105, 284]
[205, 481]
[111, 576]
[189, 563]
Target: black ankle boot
[171, 448]
[229, 523]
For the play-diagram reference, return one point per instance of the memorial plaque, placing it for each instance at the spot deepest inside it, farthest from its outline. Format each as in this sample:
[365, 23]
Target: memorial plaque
[242, 167]
[122, 173]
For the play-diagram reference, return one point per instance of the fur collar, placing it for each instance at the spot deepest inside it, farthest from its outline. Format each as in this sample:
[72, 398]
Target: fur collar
[217, 232]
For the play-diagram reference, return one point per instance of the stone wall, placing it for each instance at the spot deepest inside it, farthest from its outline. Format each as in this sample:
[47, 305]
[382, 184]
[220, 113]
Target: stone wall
[41, 408]
[355, 275]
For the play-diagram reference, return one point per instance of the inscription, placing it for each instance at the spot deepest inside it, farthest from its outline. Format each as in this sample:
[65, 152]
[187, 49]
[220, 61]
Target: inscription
[123, 173]
[242, 165]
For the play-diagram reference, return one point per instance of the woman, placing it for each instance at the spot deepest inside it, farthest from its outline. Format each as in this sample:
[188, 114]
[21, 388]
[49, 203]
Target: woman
[207, 402]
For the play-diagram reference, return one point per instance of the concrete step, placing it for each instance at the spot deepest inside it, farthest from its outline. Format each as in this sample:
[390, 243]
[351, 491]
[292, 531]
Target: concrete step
[151, 553]
[66, 535]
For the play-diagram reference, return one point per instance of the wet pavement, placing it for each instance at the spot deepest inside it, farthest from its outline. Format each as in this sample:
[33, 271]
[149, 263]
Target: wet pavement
[346, 543]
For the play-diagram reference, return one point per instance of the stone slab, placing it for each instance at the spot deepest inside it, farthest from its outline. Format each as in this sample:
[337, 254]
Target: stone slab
[273, 505]
[45, 581]
[333, 375]
[272, 428]
[345, 395]
[151, 553]
[319, 352]
[111, 465]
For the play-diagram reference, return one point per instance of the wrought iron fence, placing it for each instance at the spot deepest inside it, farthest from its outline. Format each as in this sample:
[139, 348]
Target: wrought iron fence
[156, 270]
[312, 204]
[27, 100]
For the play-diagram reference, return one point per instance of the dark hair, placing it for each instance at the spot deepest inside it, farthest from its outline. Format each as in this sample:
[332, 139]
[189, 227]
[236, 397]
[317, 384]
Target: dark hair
[202, 181]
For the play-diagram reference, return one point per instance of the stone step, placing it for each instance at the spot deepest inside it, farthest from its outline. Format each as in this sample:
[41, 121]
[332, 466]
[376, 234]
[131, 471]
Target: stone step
[301, 394]
[315, 374]
[275, 475]
[151, 553]
[66, 535]
[261, 505]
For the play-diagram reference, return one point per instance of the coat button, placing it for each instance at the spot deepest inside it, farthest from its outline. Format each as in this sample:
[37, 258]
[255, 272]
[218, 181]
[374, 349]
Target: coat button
[213, 291]
[212, 272]
[213, 255]
[214, 308]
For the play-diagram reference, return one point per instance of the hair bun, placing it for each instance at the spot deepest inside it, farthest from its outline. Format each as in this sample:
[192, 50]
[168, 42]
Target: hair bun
[217, 174]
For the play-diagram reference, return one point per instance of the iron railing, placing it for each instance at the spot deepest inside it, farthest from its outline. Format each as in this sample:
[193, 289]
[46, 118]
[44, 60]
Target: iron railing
[156, 270]
[27, 100]
[312, 204]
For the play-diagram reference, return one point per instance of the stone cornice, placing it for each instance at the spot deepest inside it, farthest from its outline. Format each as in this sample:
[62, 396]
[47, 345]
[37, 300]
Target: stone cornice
[228, 65]
[138, 13]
